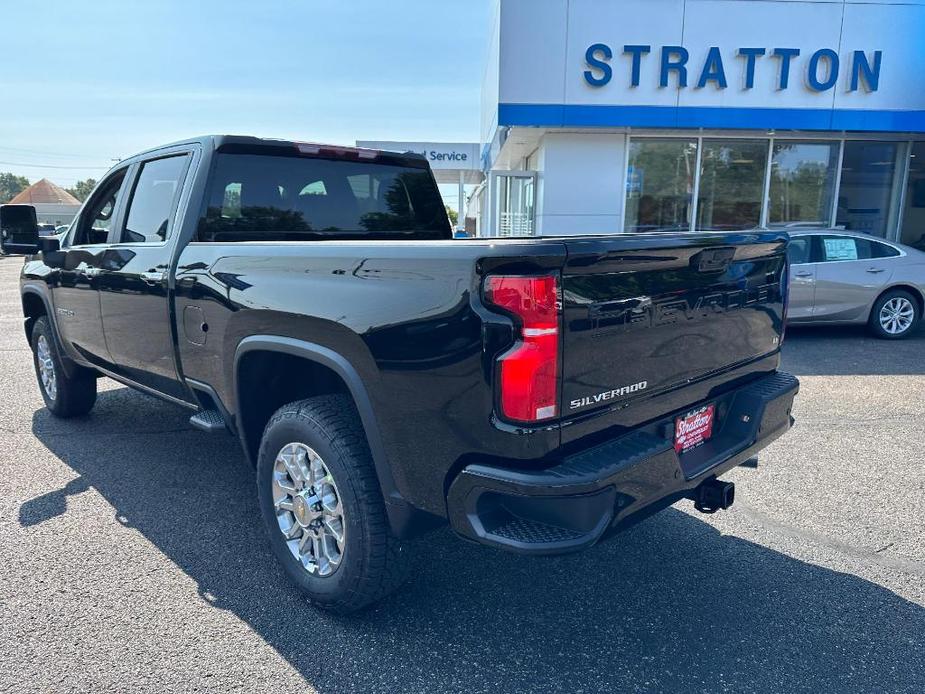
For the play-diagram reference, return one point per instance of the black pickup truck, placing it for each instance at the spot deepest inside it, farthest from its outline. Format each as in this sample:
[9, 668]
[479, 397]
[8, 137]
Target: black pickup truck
[536, 394]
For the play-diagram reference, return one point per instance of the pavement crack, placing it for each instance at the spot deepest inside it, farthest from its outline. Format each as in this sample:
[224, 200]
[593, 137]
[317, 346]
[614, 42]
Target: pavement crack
[857, 420]
[91, 434]
[909, 566]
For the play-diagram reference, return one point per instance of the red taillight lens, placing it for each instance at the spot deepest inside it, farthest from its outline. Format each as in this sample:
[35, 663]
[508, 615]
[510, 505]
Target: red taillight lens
[529, 370]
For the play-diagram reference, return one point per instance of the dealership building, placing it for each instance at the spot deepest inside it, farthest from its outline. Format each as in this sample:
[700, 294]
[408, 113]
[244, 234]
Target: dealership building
[641, 115]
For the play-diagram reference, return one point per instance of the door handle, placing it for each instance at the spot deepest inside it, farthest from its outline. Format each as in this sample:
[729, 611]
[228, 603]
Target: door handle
[802, 274]
[153, 276]
[874, 270]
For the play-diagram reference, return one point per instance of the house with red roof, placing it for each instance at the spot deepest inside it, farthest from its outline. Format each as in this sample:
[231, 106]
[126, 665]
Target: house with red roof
[53, 204]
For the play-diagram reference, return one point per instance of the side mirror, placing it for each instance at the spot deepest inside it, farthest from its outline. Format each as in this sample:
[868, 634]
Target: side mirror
[19, 229]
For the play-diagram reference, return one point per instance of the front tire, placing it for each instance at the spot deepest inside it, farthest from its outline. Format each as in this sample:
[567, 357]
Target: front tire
[65, 396]
[322, 506]
[895, 315]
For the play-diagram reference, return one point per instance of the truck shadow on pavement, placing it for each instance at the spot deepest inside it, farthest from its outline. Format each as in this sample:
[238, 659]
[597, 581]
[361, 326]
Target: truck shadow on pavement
[669, 605]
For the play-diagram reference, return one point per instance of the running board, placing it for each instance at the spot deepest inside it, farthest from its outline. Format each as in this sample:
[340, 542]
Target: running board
[209, 421]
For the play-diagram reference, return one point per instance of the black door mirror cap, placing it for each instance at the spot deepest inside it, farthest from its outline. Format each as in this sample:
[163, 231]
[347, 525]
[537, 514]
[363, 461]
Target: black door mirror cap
[19, 229]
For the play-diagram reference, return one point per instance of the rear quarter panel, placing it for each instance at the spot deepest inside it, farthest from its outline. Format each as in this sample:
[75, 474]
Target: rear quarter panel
[407, 317]
[910, 272]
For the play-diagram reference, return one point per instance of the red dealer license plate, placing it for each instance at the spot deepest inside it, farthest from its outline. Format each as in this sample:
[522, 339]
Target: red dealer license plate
[694, 428]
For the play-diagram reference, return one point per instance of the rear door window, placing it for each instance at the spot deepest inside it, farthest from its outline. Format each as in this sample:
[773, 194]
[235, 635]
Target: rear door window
[852, 248]
[258, 197]
[840, 248]
[153, 200]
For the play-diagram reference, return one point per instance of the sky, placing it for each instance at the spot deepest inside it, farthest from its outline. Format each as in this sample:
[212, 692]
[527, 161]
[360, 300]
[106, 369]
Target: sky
[86, 83]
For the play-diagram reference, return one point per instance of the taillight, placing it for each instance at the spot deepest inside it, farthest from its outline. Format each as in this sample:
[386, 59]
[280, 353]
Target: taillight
[529, 371]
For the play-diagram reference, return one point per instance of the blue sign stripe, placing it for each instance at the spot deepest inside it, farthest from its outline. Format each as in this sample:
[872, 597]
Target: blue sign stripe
[594, 116]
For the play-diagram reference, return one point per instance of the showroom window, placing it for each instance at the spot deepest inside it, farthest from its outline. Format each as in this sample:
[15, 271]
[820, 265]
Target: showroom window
[913, 229]
[659, 185]
[861, 185]
[870, 186]
[802, 185]
[732, 175]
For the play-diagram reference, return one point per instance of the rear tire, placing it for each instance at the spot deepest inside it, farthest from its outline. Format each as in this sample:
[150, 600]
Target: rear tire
[895, 315]
[65, 396]
[323, 508]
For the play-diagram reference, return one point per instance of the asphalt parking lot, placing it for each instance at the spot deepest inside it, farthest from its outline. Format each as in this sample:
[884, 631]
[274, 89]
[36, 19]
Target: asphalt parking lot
[132, 558]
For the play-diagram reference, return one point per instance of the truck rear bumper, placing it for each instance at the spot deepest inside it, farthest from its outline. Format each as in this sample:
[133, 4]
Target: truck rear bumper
[571, 505]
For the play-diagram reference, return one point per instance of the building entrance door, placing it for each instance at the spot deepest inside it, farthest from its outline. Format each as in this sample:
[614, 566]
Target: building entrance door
[514, 193]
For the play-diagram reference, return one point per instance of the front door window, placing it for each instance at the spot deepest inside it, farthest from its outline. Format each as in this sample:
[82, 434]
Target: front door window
[96, 220]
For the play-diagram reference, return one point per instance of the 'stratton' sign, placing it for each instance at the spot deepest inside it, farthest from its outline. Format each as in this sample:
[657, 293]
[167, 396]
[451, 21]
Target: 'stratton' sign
[821, 69]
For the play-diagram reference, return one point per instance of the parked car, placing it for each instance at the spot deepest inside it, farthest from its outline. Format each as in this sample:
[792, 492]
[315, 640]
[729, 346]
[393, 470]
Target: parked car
[47, 230]
[843, 277]
[384, 379]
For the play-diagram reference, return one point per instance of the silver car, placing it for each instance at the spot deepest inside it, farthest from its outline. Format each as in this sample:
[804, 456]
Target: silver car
[839, 277]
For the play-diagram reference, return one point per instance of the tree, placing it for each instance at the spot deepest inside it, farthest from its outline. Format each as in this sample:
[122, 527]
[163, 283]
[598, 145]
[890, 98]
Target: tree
[11, 185]
[82, 189]
[453, 215]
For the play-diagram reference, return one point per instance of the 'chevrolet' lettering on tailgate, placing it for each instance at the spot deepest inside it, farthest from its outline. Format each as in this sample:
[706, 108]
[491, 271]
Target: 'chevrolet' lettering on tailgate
[630, 314]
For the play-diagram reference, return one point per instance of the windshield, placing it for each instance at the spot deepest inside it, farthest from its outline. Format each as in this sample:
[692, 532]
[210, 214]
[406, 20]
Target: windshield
[257, 197]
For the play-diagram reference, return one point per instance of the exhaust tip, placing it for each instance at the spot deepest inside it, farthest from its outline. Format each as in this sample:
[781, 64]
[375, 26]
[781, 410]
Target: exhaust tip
[713, 495]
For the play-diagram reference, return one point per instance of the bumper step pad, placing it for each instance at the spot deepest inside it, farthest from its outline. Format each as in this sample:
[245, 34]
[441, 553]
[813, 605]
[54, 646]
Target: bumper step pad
[535, 533]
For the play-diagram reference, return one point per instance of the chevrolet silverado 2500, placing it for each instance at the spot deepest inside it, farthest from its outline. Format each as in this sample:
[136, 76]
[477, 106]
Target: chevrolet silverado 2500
[536, 394]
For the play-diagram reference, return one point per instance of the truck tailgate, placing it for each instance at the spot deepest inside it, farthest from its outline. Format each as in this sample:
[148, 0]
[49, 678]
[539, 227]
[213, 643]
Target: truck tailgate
[651, 313]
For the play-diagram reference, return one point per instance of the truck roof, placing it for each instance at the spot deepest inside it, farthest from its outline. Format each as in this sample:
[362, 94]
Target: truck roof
[245, 142]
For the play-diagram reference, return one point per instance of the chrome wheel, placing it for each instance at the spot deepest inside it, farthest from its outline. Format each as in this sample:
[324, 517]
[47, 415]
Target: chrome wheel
[897, 315]
[308, 509]
[46, 368]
